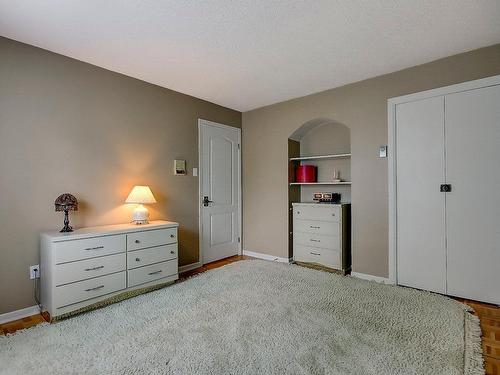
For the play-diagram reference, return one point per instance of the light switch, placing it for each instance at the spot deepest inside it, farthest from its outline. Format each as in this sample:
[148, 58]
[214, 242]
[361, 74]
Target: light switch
[382, 151]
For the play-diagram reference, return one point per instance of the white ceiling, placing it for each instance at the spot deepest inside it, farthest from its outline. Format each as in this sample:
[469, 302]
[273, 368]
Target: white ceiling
[247, 54]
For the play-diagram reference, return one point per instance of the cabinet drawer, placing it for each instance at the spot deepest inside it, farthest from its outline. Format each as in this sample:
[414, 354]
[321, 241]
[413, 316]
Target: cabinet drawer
[151, 238]
[329, 258]
[317, 240]
[153, 272]
[86, 269]
[317, 227]
[145, 257]
[70, 251]
[321, 213]
[87, 289]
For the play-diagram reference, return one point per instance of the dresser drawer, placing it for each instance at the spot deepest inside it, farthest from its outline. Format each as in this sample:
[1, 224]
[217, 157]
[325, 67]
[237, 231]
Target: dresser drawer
[151, 238]
[317, 240]
[153, 272]
[86, 269]
[87, 289]
[329, 258]
[157, 254]
[318, 212]
[317, 227]
[70, 251]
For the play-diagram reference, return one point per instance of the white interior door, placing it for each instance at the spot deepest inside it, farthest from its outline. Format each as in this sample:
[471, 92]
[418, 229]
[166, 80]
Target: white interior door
[473, 205]
[421, 255]
[219, 190]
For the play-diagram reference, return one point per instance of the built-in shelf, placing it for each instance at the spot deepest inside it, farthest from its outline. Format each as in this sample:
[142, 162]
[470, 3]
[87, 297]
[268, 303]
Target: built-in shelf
[322, 183]
[332, 156]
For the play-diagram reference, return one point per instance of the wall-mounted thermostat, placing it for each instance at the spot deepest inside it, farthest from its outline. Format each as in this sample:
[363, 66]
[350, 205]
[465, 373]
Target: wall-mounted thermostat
[382, 151]
[179, 167]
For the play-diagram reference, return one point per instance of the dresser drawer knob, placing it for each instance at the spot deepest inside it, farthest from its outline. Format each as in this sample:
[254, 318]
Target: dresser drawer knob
[95, 248]
[172, 252]
[96, 288]
[172, 236]
[137, 241]
[137, 259]
[94, 268]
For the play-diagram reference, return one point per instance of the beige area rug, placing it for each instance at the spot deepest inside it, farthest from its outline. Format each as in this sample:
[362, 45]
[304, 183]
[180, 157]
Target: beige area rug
[258, 317]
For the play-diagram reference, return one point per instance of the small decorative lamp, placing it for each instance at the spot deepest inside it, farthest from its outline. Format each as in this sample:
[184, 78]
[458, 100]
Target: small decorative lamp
[140, 195]
[66, 202]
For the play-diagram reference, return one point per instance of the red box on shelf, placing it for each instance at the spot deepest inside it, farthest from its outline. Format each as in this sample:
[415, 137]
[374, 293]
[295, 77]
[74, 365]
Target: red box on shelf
[306, 173]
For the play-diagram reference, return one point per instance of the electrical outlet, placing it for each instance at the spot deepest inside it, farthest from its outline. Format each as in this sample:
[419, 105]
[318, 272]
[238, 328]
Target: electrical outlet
[34, 271]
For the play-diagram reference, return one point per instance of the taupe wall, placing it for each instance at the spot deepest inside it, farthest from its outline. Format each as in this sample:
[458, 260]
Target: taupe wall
[67, 126]
[363, 107]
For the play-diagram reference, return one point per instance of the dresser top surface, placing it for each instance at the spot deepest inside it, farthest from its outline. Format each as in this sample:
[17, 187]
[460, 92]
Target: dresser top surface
[317, 204]
[107, 230]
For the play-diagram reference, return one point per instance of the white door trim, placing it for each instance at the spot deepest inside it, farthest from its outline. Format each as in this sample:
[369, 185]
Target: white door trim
[392, 176]
[202, 122]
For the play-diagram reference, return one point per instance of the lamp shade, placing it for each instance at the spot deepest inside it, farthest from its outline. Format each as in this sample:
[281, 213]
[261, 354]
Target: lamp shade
[66, 202]
[141, 195]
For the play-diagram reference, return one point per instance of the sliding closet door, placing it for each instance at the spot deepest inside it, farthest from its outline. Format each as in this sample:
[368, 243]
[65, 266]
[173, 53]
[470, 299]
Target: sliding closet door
[421, 261]
[473, 205]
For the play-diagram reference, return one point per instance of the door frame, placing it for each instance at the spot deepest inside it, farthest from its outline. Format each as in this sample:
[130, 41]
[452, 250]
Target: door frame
[202, 123]
[392, 148]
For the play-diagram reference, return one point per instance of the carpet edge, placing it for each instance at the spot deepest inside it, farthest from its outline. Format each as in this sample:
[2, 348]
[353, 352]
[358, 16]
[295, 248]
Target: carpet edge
[474, 362]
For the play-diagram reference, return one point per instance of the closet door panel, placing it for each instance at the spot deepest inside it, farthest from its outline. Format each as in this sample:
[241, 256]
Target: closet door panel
[473, 205]
[421, 261]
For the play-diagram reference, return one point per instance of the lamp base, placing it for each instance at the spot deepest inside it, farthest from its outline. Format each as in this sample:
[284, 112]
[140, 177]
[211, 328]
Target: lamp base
[141, 215]
[67, 227]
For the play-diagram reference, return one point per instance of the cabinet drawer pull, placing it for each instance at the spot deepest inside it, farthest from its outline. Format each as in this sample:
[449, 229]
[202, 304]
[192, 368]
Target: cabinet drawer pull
[95, 248]
[172, 236]
[313, 240]
[155, 272]
[96, 288]
[314, 227]
[94, 268]
[315, 253]
[172, 252]
[137, 259]
[137, 241]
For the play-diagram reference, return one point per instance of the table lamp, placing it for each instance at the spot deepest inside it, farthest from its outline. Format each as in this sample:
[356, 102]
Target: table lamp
[66, 202]
[140, 195]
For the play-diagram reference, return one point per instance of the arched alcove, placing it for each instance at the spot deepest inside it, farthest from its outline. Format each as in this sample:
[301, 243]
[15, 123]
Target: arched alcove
[326, 144]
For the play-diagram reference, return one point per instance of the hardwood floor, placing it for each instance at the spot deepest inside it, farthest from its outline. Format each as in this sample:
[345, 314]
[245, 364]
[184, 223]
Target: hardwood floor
[489, 316]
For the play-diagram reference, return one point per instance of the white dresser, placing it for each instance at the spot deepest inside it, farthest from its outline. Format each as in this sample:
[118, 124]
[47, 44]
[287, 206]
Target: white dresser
[321, 234]
[90, 265]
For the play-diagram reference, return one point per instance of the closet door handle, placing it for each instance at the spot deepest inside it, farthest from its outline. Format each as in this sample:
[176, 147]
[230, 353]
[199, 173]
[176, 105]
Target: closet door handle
[445, 188]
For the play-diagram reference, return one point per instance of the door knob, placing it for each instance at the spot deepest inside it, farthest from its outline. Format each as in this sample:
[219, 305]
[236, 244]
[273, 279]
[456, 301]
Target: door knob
[206, 201]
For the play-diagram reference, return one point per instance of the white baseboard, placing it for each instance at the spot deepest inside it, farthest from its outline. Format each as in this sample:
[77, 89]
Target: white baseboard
[189, 267]
[378, 279]
[265, 256]
[19, 314]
